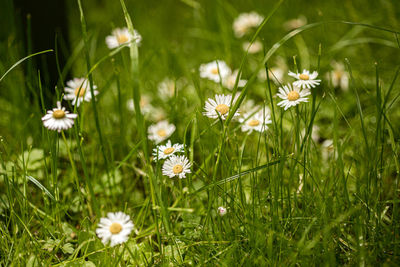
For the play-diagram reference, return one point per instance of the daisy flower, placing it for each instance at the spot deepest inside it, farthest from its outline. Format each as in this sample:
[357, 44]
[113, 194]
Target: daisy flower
[78, 90]
[215, 70]
[256, 121]
[229, 81]
[144, 103]
[276, 75]
[245, 22]
[163, 152]
[147, 109]
[166, 88]
[315, 133]
[58, 119]
[220, 105]
[115, 228]
[160, 131]
[305, 79]
[176, 166]
[292, 96]
[157, 114]
[122, 36]
[328, 149]
[295, 23]
[222, 211]
[253, 48]
[339, 76]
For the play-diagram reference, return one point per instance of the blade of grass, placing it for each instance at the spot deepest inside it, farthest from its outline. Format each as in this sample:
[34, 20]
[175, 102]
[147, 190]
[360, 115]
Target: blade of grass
[22, 60]
[40, 186]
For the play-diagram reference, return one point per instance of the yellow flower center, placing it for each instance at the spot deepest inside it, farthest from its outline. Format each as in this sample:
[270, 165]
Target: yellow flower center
[58, 114]
[80, 90]
[122, 38]
[215, 71]
[143, 102]
[304, 77]
[253, 123]
[169, 150]
[115, 228]
[177, 168]
[338, 74]
[293, 95]
[162, 133]
[222, 108]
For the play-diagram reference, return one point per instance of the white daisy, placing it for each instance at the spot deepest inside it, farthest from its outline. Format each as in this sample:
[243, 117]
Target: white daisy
[166, 151]
[166, 88]
[229, 81]
[292, 96]
[256, 121]
[253, 48]
[275, 75]
[245, 22]
[315, 133]
[215, 70]
[157, 114]
[176, 166]
[116, 228]
[144, 103]
[122, 36]
[295, 23]
[160, 131]
[339, 76]
[276, 72]
[58, 119]
[305, 79]
[147, 109]
[328, 149]
[222, 211]
[78, 90]
[220, 105]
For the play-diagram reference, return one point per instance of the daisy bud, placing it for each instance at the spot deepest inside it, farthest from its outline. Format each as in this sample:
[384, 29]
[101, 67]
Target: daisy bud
[222, 211]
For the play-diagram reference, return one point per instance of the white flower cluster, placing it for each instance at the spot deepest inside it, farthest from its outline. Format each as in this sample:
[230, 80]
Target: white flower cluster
[244, 24]
[296, 93]
[174, 165]
[254, 118]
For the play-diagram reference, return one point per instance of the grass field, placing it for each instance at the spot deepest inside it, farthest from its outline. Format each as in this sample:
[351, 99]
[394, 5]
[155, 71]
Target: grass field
[254, 183]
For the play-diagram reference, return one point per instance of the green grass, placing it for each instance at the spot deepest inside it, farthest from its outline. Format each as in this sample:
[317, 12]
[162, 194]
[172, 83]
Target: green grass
[291, 200]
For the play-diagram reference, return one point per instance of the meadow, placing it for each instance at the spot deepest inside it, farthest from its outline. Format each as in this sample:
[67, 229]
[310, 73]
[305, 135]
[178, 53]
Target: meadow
[202, 133]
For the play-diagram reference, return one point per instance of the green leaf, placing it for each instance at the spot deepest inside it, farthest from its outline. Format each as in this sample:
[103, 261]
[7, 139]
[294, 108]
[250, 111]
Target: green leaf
[33, 262]
[67, 248]
[51, 244]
